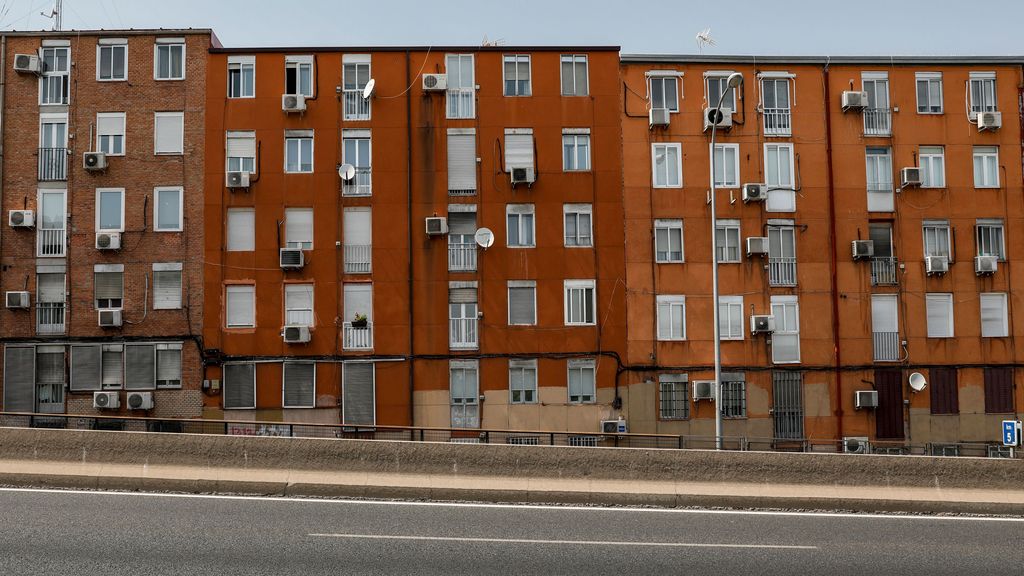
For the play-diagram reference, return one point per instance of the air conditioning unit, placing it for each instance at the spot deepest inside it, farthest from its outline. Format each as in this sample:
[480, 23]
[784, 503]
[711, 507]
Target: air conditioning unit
[28, 64]
[292, 258]
[703, 390]
[983, 265]
[523, 176]
[21, 218]
[94, 161]
[17, 300]
[614, 427]
[755, 192]
[110, 318]
[936, 265]
[910, 177]
[863, 249]
[139, 400]
[295, 334]
[237, 180]
[435, 82]
[865, 399]
[293, 103]
[856, 445]
[990, 121]
[724, 124]
[108, 241]
[437, 225]
[762, 323]
[106, 400]
[757, 246]
[659, 117]
[853, 100]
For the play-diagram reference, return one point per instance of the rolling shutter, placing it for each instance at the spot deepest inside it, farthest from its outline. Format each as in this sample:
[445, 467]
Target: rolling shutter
[19, 378]
[109, 125]
[113, 365]
[358, 394]
[462, 162]
[241, 145]
[139, 367]
[109, 285]
[169, 128]
[518, 151]
[241, 229]
[168, 365]
[998, 390]
[462, 295]
[462, 223]
[239, 386]
[50, 287]
[167, 290]
[298, 384]
[521, 305]
[357, 227]
[85, 368]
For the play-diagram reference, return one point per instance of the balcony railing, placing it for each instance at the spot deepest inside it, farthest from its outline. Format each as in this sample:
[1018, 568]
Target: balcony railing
[462, 257]
[462, 333]
[357, 337]
[782, 271]
[53, 164]
[359, 185]
[50, 318]
[887, 346]
[356, 107]
[52, 242]
[883, 271]
[777, 122]
[357, 258]
[877, 122]
[460, 102]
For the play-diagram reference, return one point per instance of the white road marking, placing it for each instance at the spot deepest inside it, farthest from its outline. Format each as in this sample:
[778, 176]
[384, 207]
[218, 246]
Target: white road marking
[311, 500]
[561, 542]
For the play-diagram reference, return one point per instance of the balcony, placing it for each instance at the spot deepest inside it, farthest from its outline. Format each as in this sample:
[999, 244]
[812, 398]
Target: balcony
[359, 185]
[877, 122]
[356, 107]
[357, 337]
[50, 318]
[887, 346]
[357, 258]
[53, 164]
[462, 257]
[777, 122]
[462, 334]
[782, 271]
[52, 242]
[883, 271]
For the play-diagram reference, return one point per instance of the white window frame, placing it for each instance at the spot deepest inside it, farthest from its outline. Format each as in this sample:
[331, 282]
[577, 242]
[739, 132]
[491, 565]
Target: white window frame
[880, 193]
[575, 60]
[108, 303]
[674, 306]
[124, 137]
[722, 230]
[663, 148]
[579, 240]
[112, 46]
[180, 149]
[574, 141]
[932, 158]
[985, 235]
[238, 289]
[463, 403]
[1000, 299]
[284, 385]
[298, 63]
[985, 80]
[296, 288]
[782, 193]
[730, 308]
[250, 237]
[459, 91]
[240, 135]
[47, 74]
[583, 287]
[662, 80]
[242, 64]
[721, 78]
[156, 59]
[668, 225]
[99, 194]
[289, 231]
[516, 212]
[939, 304]
[583, 366]
[781, 328]
[352, 89]
[168, 268]
[166, 347]
[157, 192]
[725, 182]
[987, 155]
[516, 60]
[928, 78]
[298, 140]
[524, 367]
[521, 285]
[937, 227]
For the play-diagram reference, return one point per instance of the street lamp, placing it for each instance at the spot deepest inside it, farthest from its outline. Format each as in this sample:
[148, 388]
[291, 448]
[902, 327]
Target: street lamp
[715, 116]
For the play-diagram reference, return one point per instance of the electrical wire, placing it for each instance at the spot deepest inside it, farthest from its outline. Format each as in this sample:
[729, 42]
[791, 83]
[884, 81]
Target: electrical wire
[413, 83]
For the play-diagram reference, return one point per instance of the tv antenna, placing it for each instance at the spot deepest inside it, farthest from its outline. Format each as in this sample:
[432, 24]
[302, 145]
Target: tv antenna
[704, 39]
[56, 15]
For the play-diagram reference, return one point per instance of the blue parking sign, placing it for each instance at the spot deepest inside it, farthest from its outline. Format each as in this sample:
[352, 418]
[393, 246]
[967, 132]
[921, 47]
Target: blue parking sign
[1011, 432]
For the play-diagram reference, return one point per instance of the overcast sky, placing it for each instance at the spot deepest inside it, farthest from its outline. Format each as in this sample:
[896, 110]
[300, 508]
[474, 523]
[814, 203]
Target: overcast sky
[790, 27]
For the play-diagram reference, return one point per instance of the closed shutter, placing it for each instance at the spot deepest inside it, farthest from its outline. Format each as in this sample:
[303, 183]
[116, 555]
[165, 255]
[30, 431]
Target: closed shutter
[240, 303]
[993, 315]
[109, 285]
[113, 365]
[462, 295]
[939, 308]
[239, 386]
[241, 229]
[167, 290]
[998, 390]
[889, 414]
[358, 394]
[518, 151]
[298, 384]
[50, 287]
[110, 125]
[298, 227]
[521, 301]
[358, 300]
[139, 367]
[168, 365]
[241, 145]
[170, 129]
[943, 386]
[85, 368]
[462, 223]
[462, 162]
[357, 227]
[19, 378]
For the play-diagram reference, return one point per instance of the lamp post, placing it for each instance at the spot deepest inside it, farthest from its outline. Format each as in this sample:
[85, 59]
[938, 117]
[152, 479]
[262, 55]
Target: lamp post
[735, 79]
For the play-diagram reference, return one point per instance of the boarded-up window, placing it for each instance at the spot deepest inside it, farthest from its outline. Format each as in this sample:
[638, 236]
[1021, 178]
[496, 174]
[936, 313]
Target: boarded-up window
[357, 402]
[239, 386]
[944, 391]
[85, 368]
[299, 378]
[998, 390]
[19, 378]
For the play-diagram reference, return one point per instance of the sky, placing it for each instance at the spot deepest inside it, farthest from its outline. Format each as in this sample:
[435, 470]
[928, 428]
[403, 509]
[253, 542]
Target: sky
[788, 27]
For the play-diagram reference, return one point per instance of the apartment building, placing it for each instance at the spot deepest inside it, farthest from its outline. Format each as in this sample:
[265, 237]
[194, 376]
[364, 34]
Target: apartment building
[102, 181]
[426, 236]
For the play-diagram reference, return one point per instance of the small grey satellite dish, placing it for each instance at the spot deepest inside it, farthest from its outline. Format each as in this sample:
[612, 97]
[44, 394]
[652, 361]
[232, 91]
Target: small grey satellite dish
[484, 238]
[370, 87]
[347, 172]
[917, 381]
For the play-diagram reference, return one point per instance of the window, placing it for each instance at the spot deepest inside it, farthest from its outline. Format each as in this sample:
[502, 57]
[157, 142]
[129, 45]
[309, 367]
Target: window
[522, 381]
[356, 151]
[781, 255]
[885, 328]
[668, 241]
[786, 338]
[983, 92]
[575, 152]
[518, 148]
[298, 228]
[53, 84]
[461, 93]
[775, 106]
[944, 399]
[778, 162]
[664, 91]
[298, 305]
[357, 228]
[357, 302]
[52, 223]
[574, 75]
[522, 302]
[461, 161]
[111, 365]
[520, 225]
[109, 209]
[517, 74]
[86, 369]
[579, 302]
[241, 151]
[734, 399]
[877, 114]
[994, 317]
[108, 286]
[936, 238]
[167, 209]
[879, 180]
[241, 233]
[929, 92]
[933, 167]
[986, 167]
[727, 165]
[990, 238]
[582, 386]
[169, 133]
[298, 75]
[715, 86]
[298, 385]
[671, 317]
[168, 365]
[355, 76]
[140, 367]
[239, 385]
[167, 286]
[673, 400]
[462, 247]
[727, 241]
[50, 303]
[111, 58]
[240, 309]
[667, 165]
[298, 147]
[998, 390]
[730, 317]
[577, 225]
[241, 76]
[464, 393]
[358, 396]
[110, 133]
[170, 60]
[939, 312]
[463, 315]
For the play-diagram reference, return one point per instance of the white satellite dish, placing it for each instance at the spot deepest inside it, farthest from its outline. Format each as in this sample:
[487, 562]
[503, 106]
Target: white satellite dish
[917, 381]
[370, 87]
[347, 172]
[484, 238]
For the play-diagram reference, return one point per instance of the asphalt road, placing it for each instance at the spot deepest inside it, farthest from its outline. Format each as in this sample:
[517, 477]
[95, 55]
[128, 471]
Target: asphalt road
[83, 533]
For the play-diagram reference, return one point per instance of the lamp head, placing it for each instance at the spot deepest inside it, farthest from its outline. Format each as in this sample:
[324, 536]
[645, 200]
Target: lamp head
[735, 79]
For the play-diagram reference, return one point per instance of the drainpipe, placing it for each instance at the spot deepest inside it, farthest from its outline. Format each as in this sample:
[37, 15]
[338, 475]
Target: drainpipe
[3, 110]
[409, 235]
[835, 258]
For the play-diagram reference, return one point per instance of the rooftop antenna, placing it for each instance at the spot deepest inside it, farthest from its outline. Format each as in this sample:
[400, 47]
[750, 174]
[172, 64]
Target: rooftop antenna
[704, 39]
[488, 42]
[56, 15]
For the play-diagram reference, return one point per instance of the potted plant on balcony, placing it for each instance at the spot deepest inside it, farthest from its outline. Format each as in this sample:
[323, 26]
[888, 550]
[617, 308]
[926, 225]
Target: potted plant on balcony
[359, 321]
